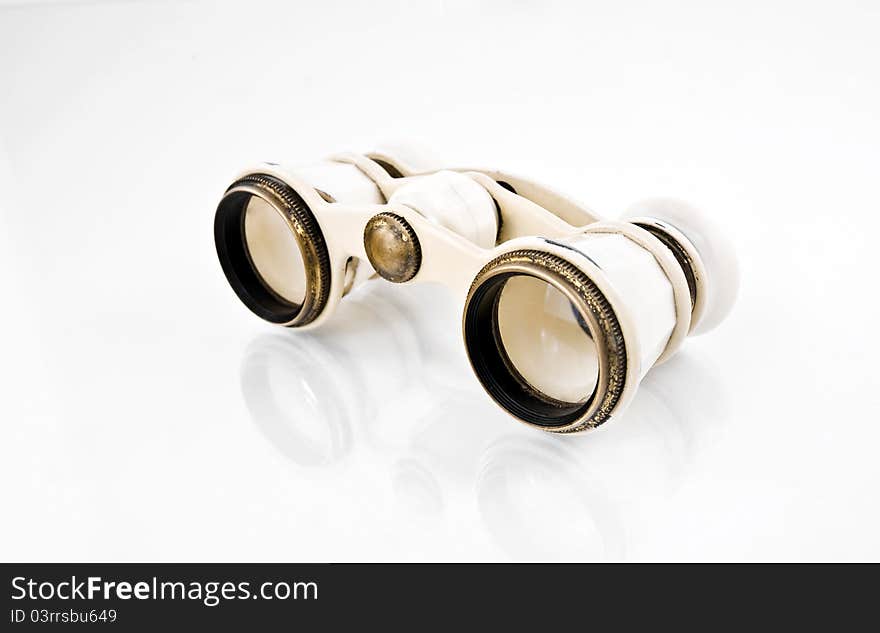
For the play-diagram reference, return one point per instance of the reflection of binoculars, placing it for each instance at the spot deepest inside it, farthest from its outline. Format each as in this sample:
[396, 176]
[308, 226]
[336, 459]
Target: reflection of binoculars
[563, 313]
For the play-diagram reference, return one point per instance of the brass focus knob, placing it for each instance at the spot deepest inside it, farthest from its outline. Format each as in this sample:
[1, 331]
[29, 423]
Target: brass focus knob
[392, 247]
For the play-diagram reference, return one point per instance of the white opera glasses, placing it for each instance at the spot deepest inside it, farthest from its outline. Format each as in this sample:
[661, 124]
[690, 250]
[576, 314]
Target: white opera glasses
[564, 313]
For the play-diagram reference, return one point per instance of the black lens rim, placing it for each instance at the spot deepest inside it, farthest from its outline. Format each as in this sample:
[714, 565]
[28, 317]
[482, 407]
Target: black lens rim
[494, 370]
[235, 260]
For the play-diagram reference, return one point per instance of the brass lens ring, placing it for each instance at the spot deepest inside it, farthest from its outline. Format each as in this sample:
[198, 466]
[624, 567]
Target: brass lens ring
[232, 249]
[497, 374]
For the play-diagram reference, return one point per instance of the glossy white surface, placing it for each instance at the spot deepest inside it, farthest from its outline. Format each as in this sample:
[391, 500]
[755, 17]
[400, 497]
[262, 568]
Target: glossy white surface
[455, 201]
[644, 297]
[146, 415]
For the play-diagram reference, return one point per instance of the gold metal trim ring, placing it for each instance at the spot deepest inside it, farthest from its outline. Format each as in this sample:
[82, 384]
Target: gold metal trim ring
[596, 311]
[313, 248]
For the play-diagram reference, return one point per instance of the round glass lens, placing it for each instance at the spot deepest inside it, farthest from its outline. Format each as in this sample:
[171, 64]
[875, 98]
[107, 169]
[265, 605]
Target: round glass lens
[546, 340]
[274, 250]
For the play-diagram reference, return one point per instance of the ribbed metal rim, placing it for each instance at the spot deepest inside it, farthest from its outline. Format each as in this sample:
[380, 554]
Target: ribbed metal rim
[228, 226]
[495, 372]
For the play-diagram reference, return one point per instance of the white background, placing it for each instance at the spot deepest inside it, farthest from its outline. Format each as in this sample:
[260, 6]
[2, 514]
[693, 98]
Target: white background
[147, 415]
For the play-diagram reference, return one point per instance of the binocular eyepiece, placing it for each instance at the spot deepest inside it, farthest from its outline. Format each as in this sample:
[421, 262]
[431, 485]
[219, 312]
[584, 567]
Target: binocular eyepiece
[563, 312]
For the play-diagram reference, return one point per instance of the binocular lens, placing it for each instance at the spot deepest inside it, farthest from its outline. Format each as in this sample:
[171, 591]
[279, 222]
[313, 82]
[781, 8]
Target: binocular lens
[546, 341]
[274, 251]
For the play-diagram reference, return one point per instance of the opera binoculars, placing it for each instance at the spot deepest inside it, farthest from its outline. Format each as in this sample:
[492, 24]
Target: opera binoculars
[564, 313]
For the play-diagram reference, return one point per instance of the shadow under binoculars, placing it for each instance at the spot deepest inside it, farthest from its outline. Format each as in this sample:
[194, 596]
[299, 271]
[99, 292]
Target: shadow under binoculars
[392, 383]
